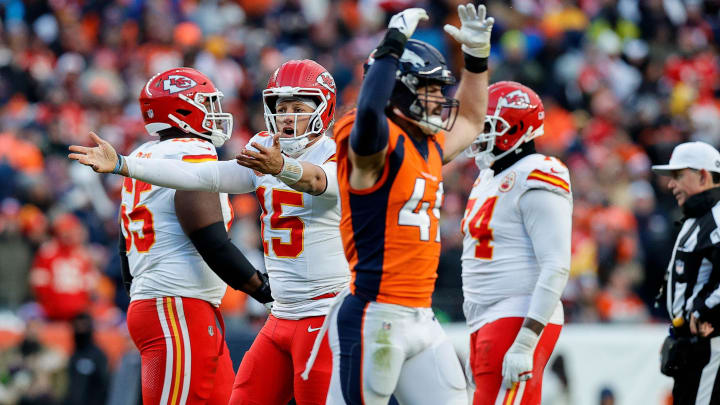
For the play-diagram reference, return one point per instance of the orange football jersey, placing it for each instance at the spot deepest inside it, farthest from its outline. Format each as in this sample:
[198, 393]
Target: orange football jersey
[390, 231]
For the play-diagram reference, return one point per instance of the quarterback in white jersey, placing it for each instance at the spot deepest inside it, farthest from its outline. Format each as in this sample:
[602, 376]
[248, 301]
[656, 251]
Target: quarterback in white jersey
[292, 170]
[175, 252]
[516, 250]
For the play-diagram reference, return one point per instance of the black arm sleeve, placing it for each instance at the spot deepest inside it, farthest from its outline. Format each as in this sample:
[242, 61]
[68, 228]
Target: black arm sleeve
[370, 132]
[124, 265]
[226, 260]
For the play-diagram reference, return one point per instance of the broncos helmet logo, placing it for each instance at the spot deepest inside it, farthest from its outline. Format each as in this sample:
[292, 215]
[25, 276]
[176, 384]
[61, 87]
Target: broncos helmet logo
[412, 58]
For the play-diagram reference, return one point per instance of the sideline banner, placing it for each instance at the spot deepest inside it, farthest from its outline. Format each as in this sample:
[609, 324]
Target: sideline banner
[622, 358]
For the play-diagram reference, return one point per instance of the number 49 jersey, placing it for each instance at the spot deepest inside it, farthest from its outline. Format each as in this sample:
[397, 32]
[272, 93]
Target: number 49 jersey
[499, 265]
[163, 260]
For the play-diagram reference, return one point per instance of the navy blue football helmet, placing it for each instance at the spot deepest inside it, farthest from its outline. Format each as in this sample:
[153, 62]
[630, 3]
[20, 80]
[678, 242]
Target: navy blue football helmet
[420, 66]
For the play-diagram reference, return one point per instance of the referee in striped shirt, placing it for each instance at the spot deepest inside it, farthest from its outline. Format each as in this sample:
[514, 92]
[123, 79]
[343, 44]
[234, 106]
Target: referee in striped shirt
[691, 354]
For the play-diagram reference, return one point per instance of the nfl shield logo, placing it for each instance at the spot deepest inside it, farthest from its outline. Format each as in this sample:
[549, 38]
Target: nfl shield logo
[210, 331]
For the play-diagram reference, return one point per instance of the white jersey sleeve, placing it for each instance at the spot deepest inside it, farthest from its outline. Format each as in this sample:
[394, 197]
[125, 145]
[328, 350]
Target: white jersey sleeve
[225, 177]
[547, 217]
[548, 173]
[331, 189]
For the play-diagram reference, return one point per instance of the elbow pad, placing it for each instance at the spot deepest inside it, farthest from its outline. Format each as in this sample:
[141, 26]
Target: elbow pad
[224, 258]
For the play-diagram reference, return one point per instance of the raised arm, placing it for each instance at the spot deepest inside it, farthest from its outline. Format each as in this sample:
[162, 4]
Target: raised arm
[224, 177]
[369, 135]
[472, 93]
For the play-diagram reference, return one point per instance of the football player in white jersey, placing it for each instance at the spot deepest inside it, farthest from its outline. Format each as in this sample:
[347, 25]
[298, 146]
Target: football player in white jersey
[170, 238]
[516, 250]
[292, 169]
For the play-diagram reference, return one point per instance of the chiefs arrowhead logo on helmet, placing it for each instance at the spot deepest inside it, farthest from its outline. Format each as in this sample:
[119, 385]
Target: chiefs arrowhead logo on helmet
[176, 83]
[517, 99]
[327, 81]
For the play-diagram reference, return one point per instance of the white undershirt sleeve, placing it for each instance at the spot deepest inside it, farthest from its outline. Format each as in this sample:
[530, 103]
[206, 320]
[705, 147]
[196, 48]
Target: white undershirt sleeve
[547, 217]
[220, 177]
[331, 189]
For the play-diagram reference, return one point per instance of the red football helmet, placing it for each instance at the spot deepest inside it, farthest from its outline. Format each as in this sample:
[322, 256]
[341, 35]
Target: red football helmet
[515, 115]
[185, 98]
[301, 78]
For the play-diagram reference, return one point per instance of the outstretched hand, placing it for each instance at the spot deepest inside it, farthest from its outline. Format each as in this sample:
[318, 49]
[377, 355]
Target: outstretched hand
[474, 31]
[267, 160]
[102, 158]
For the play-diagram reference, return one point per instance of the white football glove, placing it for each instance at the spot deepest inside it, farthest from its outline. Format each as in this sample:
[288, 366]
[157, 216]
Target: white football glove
[518, 362]
[474, 32]
[407, 20]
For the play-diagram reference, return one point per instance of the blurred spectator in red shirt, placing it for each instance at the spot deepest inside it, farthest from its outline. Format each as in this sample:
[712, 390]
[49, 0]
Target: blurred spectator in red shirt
[63, 277]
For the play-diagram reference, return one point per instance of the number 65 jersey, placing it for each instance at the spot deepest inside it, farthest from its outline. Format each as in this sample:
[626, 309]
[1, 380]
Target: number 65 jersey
[499, 265]
[163, 260]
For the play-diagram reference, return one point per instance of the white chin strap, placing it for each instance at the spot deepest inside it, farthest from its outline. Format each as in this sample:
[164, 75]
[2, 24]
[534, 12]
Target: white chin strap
[484, 160]
[293, 147]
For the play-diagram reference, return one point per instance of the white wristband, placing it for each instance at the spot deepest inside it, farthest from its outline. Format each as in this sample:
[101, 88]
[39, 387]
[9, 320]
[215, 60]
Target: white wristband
[291, 171]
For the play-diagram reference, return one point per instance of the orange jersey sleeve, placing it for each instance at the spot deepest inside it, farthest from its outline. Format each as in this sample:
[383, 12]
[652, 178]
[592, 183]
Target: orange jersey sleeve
[390, 231]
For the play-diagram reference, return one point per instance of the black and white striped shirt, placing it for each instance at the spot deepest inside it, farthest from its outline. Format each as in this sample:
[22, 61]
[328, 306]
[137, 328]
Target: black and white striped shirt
[693, 282]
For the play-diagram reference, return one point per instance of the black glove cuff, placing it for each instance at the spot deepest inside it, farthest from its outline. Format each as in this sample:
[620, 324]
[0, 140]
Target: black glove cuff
[393, 44]
[474, 64]
[263, 294]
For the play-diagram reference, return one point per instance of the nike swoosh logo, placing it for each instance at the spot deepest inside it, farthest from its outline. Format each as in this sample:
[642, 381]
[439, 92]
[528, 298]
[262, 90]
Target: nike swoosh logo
[205, 147]
[552, 169]
[311, 329]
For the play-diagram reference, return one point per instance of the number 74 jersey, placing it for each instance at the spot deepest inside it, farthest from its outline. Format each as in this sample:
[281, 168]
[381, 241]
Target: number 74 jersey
[498, 261]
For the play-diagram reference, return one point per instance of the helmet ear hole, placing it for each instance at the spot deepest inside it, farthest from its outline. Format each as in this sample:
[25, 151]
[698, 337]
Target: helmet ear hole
[512, 130]
[183, 111]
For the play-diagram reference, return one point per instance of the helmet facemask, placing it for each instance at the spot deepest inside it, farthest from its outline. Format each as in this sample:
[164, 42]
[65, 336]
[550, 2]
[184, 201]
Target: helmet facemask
[431, 112]
[216, 124]
[294, 146]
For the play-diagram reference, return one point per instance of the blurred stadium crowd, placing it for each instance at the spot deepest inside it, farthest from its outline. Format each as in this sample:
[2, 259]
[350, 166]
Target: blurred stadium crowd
[622, 83]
